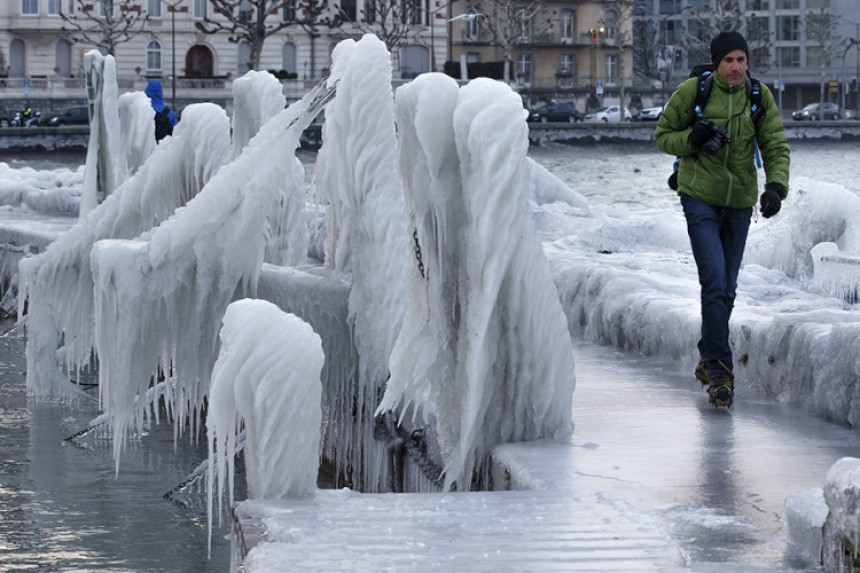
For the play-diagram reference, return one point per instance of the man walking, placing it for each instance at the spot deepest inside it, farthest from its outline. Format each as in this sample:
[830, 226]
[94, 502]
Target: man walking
[718, 186]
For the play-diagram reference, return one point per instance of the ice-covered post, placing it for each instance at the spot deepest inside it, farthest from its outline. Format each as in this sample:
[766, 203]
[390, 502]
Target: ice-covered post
[484, 350]
[267, 380]
[101, 177]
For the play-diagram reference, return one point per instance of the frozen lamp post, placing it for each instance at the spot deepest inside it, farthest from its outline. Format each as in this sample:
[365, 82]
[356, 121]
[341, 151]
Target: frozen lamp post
[173, 8]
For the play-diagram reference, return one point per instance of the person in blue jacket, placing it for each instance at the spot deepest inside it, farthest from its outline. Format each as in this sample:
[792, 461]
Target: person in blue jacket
[165, 118]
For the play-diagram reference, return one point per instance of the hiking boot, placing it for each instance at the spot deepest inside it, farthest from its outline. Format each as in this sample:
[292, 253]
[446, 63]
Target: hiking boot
[702, 372]
[721, 389]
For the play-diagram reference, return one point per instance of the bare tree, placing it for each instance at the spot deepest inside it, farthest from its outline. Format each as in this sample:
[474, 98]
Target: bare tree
[512, 23]
[105, 25]
[250, 21]
[392, 21]
[618, 36]
[820, 27]
[722, 15]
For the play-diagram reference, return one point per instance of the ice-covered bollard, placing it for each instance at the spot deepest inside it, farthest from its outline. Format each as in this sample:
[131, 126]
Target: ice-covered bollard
[805, 515]
[842, 494]
[267, 380]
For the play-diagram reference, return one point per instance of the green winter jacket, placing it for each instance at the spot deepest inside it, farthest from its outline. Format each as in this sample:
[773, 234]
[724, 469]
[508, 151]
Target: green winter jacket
[729, 178]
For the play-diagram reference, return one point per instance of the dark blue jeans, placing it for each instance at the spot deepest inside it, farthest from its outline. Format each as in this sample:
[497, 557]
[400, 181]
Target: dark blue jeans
[718, 236]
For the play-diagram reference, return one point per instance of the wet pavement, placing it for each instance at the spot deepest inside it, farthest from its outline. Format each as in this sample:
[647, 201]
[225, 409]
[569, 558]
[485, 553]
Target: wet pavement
[653, 479]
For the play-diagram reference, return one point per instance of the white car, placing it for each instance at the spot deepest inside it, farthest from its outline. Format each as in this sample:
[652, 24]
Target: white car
[608, 114]
[651, 113]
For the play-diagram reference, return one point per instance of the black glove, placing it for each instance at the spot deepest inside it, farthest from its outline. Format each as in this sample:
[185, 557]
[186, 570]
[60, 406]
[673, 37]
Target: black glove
[771, 200]
[700, 133]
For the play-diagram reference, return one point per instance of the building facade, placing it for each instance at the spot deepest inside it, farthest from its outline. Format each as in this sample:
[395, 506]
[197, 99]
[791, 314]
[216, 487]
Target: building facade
[40, 57]
[575, 50]
[797, 45]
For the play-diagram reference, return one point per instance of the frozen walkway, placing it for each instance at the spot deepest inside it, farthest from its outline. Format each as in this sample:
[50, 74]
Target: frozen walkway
[653, 479]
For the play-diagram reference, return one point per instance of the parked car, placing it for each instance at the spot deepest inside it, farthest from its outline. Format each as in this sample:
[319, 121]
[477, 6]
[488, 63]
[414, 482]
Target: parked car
[557, 112]
[72, 116]
[5, 117]
[608, 114]
[831, 111]
[652, 113]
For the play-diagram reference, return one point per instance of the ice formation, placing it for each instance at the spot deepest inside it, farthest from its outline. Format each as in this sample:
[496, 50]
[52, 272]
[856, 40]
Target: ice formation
[57, 285]
[842, 494]
[266, 382]
[484, 350]
[137, 130]
[356, 175]
[101, 175]
[257, 98]
[150, 293]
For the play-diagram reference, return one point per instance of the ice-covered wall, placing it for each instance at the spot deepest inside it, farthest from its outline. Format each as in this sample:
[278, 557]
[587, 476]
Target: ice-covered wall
[824, 524]
[484, 350]
[159, 299]
[356, 176]
[57, 285]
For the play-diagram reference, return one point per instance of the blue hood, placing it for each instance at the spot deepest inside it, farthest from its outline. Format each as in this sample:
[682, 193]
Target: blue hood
[153, 91]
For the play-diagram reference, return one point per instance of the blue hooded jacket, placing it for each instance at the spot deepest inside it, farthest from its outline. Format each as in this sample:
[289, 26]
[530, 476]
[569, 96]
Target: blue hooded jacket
[153, 91]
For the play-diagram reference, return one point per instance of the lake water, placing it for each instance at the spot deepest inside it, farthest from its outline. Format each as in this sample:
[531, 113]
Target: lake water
[62, 506]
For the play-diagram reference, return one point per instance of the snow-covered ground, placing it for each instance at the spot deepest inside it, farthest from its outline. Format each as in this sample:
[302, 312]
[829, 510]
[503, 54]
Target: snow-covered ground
[623, 277]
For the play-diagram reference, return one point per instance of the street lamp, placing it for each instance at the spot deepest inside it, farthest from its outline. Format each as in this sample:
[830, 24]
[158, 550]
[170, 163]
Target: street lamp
[173, 8]
[595, 37]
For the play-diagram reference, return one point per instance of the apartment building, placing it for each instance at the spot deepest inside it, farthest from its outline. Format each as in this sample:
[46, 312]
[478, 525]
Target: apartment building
[797, 44]
[39, 57]
[570, 50]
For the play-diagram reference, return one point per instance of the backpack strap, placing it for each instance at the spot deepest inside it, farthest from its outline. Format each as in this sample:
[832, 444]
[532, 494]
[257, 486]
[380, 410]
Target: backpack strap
[754, 95]
[703, 91]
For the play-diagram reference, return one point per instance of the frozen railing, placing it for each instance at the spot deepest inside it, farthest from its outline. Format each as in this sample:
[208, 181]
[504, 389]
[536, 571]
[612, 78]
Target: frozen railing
[836, 272]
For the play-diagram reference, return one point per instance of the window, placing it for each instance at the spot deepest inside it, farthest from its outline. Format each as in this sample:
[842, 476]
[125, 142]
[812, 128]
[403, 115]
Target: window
[288, 58]
[70, 7]
[815, 57]
[153, 58]
[30, 7]
[411, 14]
[787, 4]
[568, 26]
[670, 7]
[611, 20]
[200, 9]
[612, 67]
[288, 13]
[348, 10]
[55, 7]
[524, 19]
[525, 69]
[245, 11]
[789, 57]
[244, 58]
[370, 11]
[153, 8]
[103, 8]
[787, 28]
[672, 32]
[473, 24]
[565, 63]
[758, 5]
[821, 4]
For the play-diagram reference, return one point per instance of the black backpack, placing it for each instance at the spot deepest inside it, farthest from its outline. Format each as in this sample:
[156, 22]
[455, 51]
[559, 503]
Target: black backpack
[705, 73]
[163, 127]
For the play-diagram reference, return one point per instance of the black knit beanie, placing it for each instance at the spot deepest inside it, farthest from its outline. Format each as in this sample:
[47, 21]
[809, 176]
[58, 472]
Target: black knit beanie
[724, 43]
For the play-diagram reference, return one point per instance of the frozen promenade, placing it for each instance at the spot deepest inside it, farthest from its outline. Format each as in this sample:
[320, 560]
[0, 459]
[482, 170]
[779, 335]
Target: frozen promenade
[653, 479]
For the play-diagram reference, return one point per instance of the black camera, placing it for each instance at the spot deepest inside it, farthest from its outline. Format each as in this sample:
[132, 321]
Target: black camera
[718, 138]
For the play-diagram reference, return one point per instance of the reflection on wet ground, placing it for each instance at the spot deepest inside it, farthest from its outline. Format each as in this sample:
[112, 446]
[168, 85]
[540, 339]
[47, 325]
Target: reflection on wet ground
[64, 508]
